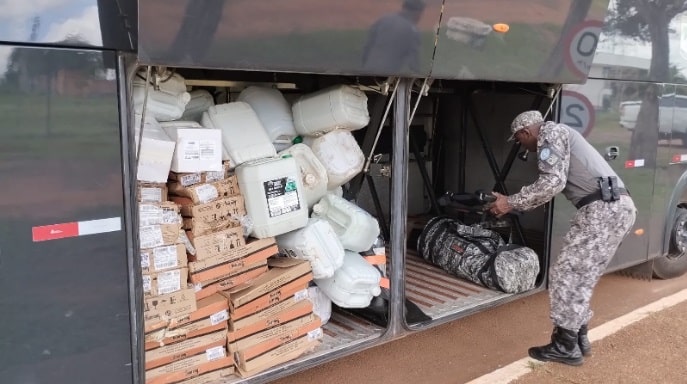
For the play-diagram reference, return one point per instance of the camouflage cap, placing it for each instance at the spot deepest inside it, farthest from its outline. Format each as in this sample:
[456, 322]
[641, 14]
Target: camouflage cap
[523, 120]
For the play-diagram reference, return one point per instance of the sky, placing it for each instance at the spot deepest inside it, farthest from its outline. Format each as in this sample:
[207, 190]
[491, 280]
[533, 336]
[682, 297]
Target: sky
[59, 19]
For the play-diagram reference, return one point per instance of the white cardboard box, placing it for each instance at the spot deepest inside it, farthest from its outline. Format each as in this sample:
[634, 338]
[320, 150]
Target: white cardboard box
[197, 149]
[157, 150]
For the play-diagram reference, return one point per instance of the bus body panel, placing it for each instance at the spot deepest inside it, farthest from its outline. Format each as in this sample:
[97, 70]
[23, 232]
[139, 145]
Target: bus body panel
[64, 287]
[359, 37]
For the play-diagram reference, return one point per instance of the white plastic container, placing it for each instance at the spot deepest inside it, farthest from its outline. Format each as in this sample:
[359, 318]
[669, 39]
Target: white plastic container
[340, 154]
[243, 135]
[157, 151]
[321, 303]
[356, 228]
[160, 105]
[164, 104]
[313, 173]
[274, 113]
[354, 284]
[200, 101]
[337, 107]
[316, 242]
[273, 195]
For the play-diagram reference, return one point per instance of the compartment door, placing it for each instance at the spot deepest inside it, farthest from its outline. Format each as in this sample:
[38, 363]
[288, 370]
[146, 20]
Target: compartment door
[607, 113]
[64, 292]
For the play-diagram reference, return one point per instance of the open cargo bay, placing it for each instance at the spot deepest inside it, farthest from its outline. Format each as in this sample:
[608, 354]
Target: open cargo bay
[457, 135]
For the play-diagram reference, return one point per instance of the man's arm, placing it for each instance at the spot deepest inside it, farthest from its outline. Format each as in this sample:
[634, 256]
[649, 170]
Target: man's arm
[553, 163]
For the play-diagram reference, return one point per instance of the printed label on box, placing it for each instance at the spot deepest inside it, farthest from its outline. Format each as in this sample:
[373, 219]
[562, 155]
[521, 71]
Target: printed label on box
[207, 149]
[147, 283]
[219, 317]
[151, 194]
[206, 193]
[168, 282]
[149, 214]
[151, 236]
[190, 179]
[165, 257]
[215, 353]
[301, 295]
[145, 261]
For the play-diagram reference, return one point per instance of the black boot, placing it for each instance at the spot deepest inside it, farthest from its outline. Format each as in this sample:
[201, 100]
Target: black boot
[583, 341]
[563, 348]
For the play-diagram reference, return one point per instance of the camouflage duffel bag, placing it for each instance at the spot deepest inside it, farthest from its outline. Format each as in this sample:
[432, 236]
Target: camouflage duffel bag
[478, 255]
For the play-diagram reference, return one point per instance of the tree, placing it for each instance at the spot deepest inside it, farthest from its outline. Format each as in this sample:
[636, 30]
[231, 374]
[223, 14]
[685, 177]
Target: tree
[647, 21]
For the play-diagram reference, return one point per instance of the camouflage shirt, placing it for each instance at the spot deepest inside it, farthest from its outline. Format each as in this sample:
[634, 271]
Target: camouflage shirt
[553, 155]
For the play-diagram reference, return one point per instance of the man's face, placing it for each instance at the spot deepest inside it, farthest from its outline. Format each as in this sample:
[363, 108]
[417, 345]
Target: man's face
[527, 138]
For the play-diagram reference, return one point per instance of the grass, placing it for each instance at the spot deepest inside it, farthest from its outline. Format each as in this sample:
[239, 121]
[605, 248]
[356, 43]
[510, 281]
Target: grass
[71, 127]
[650, 188]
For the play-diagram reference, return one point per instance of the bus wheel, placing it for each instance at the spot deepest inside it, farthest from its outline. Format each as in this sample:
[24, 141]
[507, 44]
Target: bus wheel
[674, 264]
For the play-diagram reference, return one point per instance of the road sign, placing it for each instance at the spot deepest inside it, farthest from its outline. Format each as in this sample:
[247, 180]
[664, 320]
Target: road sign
[577, 112]
[581, 46]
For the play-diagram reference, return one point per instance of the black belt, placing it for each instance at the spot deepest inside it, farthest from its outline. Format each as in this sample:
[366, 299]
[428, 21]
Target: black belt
[597, 196]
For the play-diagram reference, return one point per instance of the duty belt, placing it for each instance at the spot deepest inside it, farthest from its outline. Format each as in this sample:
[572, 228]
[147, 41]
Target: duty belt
[592, 197]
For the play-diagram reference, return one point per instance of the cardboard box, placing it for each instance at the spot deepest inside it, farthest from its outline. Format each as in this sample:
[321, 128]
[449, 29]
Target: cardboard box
[233, 266]
[168, 336]
[252, 346]
[153, 236]
[282, 271]
[197, 149]
[207, 192]
[216, 243]
[158, 213]
[189, 179]
[165, 282]
[163, 258]
[225, 283]
[271, 298]
[220, 214]
[214, 307]
[154, 325]
[292, 308]
[157, 151]
[220, 375]
[163, 308]
[182, 350]
[151, 192]
[192, 367]
[251, 246]
[282, 354]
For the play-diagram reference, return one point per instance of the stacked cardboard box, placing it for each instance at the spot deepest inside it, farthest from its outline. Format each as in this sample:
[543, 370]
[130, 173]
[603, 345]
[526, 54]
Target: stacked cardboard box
[271, 320]
[163, 258]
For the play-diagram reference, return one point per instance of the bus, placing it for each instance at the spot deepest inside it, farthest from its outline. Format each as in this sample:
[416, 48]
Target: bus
[443, 78]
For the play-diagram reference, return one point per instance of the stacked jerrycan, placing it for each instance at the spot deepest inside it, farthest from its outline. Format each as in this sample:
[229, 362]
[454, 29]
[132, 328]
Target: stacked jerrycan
[338, 230]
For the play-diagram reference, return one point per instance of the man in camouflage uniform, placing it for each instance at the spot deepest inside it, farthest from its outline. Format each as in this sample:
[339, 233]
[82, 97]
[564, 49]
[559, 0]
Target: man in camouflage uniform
[568, 163]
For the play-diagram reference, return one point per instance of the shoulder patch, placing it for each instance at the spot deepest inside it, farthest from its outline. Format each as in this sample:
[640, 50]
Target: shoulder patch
[548, 156]
[544, 154]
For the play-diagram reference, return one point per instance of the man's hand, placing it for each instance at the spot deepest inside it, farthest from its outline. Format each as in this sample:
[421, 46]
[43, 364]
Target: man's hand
[501, 206]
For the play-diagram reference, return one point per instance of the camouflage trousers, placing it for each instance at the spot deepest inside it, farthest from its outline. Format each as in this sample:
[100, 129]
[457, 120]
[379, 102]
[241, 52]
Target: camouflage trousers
[595, 234]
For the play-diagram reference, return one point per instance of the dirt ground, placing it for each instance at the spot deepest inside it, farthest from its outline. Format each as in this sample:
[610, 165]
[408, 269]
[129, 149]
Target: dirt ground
[649, 351]
[458, 352]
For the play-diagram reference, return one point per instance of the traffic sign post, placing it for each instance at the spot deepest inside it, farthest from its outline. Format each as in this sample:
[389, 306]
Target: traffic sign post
[577, 112]
[581, 46]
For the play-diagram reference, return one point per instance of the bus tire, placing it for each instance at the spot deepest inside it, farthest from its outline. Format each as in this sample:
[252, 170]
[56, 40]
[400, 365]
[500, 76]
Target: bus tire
[674, 264]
